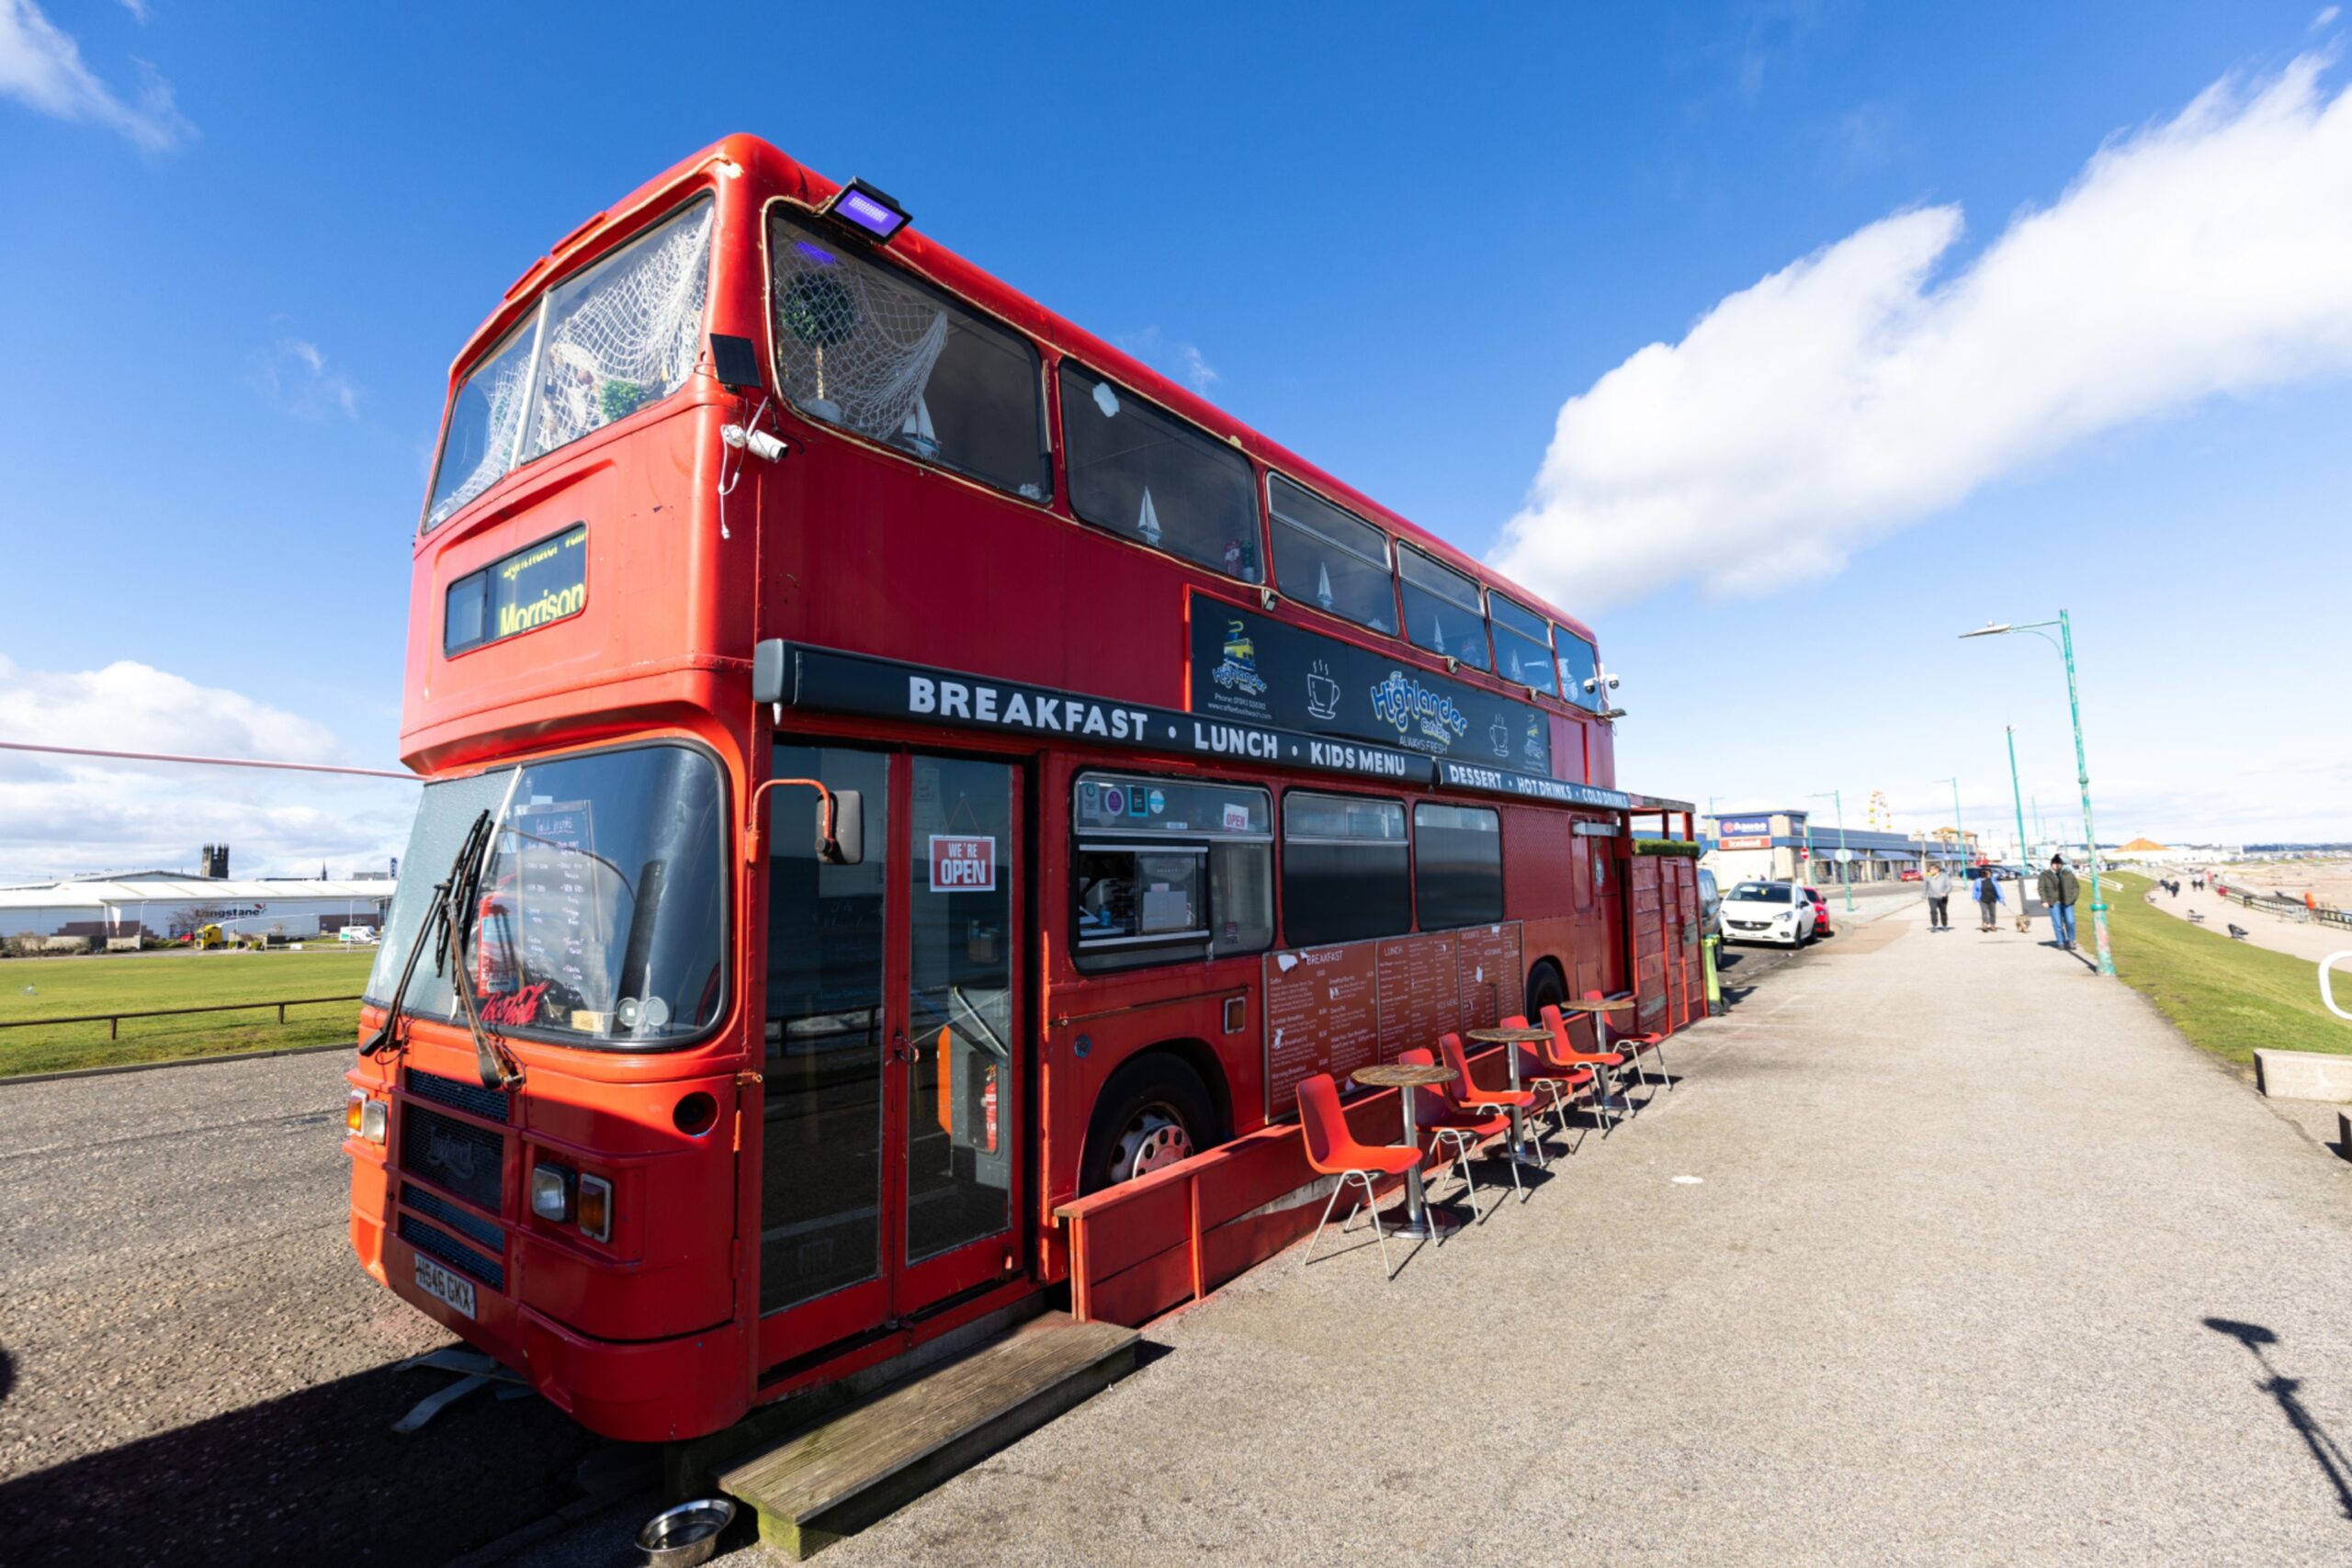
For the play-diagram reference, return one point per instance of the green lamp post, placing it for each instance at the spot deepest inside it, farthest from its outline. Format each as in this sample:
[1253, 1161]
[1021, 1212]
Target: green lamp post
[2065, 643]
[1845, 862]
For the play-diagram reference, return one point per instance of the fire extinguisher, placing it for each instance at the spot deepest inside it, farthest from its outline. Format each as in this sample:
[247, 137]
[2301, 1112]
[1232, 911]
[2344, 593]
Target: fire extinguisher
[987, 1108]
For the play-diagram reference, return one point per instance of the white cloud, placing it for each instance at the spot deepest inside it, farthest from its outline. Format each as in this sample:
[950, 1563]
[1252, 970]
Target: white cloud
[1856, 391]
[137, 9]
[296, 375]
[42, 66]
[1177, 361]
[64, 815]
[2327, 16]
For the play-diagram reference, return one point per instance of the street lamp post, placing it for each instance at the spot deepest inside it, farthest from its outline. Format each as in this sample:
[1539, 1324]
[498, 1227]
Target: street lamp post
[2017, 799]
[2065, 644]
[1845, 863]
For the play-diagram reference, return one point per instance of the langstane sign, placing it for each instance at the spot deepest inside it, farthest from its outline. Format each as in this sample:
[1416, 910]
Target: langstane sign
[1248, 667]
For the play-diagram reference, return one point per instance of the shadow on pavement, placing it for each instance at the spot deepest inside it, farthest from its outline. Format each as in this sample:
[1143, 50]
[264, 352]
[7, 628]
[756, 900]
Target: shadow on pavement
[312, 1477]
[2325, 1451]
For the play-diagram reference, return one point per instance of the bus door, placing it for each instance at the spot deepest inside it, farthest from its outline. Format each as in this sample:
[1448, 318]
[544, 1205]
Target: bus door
[895, 1045]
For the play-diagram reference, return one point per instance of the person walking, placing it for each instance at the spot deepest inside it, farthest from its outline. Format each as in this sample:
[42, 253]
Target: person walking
[1988, 900]
[2060, 887]
[1937, 884]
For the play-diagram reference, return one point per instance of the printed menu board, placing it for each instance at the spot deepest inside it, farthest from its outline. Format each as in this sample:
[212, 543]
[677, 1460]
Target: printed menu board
[561, 935]
[1417, 993]
[1334, 1010]
[1487, 965]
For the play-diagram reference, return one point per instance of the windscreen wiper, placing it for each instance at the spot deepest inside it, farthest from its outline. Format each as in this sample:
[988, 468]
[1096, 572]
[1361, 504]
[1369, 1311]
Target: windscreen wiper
[454, 899]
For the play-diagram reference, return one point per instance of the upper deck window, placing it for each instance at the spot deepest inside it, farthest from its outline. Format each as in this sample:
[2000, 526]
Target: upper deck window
[1442, 611]
[874, 350]
[1328, 558]
[1578, 661]
[1143, 474]
[1522, 645]
[603, 344]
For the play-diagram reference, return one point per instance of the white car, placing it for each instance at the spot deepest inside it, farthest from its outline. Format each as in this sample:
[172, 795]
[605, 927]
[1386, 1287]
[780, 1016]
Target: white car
[1768, 911]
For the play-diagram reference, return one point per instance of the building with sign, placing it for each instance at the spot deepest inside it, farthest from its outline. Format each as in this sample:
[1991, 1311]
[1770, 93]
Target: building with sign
[159, 905]
[1774, 846]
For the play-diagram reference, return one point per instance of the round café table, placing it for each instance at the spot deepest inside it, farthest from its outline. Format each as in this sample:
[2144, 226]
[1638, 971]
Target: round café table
[1420, 1225]
[1598, 1011]
[1514, 1038]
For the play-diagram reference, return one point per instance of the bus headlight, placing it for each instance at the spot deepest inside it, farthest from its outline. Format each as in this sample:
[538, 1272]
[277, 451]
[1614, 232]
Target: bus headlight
[365, 1116]
[551, 1192]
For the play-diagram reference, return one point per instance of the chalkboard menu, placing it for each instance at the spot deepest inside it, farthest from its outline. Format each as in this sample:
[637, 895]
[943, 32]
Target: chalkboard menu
[1334, 1010]
[563, 929]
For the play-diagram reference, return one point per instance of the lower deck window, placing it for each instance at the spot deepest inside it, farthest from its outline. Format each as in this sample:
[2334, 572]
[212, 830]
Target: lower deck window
[1457, 865]
[1345, 871]
[1168, 870]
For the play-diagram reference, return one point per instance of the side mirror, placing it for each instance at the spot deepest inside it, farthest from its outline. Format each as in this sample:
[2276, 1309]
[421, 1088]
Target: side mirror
[846, 845]
[769, 668]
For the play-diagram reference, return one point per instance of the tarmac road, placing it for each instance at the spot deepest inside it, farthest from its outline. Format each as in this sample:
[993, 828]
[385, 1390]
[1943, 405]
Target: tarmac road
[194, 1369]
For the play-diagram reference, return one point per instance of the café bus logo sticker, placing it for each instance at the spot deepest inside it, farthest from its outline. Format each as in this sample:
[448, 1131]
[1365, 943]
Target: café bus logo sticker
[1238, 671]
[962, 862]
[1406, 705]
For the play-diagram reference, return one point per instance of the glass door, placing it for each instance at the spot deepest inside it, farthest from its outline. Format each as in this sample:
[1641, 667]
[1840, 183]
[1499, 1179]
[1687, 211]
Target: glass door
[964, 1053]
[895, 1064]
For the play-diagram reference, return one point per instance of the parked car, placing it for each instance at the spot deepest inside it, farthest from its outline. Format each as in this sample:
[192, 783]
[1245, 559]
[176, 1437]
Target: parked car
[1909, 873]
[1710, 904]
[1820, 912]
[355, 936]
[1768, 912]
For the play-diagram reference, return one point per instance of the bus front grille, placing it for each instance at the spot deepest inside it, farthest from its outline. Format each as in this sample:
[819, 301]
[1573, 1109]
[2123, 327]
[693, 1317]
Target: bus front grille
[452, 1251]
[472, 1099]
[467, 1160]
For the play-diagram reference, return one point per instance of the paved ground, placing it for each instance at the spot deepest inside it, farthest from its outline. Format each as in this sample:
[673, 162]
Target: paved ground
[1983, 1264]
[2303, 938]
[190, 1357]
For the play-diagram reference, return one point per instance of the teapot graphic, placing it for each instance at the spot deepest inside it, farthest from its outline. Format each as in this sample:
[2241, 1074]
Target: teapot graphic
[1322, 692]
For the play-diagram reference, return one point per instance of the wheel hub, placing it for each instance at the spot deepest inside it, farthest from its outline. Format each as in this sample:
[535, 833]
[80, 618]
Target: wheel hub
[1153, 1140]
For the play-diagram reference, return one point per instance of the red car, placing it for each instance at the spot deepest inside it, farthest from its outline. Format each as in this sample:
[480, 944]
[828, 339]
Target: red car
[1820, 912]
[1910, 873]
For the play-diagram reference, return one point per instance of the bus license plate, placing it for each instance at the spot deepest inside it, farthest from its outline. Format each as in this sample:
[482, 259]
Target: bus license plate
[444, 1286]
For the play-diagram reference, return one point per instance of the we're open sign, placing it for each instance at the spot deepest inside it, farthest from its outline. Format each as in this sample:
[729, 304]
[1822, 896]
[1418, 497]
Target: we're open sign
[961, 863]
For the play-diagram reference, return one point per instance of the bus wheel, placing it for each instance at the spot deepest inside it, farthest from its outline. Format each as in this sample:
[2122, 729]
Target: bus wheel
[1546, 989]
[1153, 1112]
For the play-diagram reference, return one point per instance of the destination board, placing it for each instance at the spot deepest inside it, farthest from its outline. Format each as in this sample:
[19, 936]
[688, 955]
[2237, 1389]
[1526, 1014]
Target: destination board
[1334, 1010]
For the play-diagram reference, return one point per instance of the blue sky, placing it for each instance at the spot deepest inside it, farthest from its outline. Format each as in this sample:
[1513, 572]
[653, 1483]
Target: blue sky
[246, 241]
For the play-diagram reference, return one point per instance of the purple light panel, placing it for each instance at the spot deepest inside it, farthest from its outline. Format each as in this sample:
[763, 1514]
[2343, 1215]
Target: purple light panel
[869, 214]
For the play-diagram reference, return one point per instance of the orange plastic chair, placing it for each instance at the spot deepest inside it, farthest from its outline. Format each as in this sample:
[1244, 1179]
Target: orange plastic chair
[1635, 1047]
[1469, 1095]
[1539, 1076]
[1562, 1053]
[1436, 1112]
[1332, 1150]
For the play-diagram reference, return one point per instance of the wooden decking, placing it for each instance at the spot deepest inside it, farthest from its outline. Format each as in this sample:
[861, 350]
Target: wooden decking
[854, 1468]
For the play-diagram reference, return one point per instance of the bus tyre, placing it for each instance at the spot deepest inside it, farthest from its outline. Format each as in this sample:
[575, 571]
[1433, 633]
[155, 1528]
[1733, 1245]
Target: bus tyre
[1545, 991]
[1153, 1112]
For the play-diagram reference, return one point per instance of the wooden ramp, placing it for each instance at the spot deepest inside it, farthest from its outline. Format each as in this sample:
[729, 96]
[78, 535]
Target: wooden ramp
[854, 1468]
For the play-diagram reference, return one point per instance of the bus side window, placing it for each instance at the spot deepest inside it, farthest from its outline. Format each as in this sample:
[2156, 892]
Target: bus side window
[1144, 475]
[1600, 850]
[1580, 870]
[1345, 871]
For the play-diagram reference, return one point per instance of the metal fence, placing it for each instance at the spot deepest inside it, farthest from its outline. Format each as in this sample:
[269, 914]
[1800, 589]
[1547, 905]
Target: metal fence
[113, 1020]
[2291, 909]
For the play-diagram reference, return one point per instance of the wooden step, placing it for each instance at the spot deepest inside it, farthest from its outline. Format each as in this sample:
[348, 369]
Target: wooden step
[854, 1468]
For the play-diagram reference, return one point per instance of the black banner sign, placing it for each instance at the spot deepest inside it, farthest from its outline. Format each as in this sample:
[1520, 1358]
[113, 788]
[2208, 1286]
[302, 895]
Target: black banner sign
[1262, 671]
[834, 681]
[1503, 780]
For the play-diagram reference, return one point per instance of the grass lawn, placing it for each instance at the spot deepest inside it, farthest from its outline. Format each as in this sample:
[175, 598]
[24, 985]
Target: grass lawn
[53, 988]
[2227, 997]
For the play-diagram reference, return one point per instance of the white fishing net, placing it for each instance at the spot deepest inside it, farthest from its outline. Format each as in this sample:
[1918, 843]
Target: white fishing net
[857, 350]
[623, 334]
[500, 387]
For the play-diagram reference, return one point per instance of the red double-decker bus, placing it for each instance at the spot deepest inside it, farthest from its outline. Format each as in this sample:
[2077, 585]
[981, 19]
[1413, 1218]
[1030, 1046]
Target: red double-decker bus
[890, 754]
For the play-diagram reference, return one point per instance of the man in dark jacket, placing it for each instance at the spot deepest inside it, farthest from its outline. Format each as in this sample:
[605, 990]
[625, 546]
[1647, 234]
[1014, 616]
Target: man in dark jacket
[2059, 889]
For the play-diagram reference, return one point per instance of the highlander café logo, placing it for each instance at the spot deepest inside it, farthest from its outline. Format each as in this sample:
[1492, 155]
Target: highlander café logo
[1406, 705]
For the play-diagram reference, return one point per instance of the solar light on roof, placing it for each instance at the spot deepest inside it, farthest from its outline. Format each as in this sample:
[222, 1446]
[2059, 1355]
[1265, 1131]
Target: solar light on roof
[869, 211]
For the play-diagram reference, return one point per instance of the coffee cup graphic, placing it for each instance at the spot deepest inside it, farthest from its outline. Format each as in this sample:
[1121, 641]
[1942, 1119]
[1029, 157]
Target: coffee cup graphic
[1322, 694]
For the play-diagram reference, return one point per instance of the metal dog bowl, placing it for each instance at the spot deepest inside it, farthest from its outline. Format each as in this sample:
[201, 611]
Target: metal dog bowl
[685, 1535]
